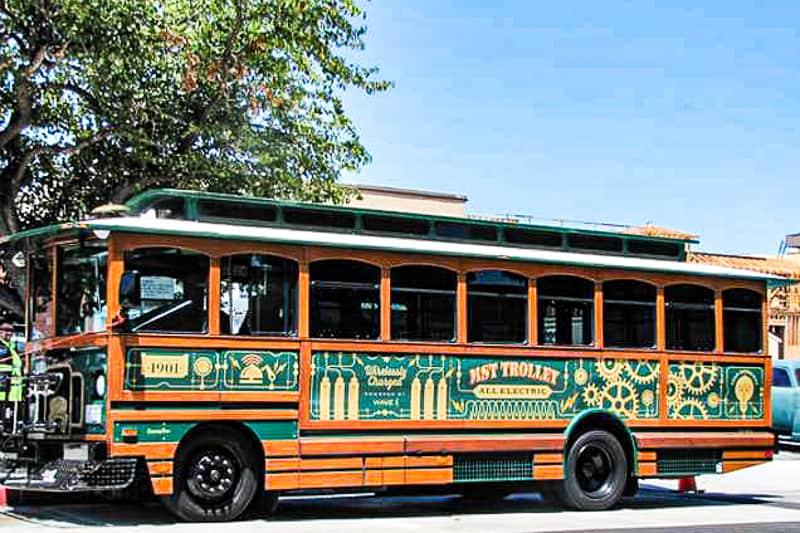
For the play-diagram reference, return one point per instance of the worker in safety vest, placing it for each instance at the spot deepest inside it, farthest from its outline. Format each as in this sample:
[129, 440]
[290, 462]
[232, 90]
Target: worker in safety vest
[10, 365]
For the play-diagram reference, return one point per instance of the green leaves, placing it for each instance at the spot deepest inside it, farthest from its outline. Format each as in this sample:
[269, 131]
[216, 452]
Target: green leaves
[104, 98]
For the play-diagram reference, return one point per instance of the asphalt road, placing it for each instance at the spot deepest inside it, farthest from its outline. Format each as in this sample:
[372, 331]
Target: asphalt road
[763, 498]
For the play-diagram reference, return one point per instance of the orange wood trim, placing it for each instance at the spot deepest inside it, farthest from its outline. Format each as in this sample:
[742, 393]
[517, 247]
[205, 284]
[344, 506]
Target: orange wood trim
[663, 382]
[385, 462]
[718, 323]
[151, 450]
[386, 304]
[598, 315]
[747, 454]
[533, 313]
[548, 472]
[646, 456]
[116, 266]
[281, 448]
[461, 308]
[661, 320]
[355, 445]
[303, 300]
[765, 325]
[429, 476]
[215, 396]
[413, 461]
[282, 464]
[768, 391]
[54, 255]
[94, 438]
[373, 478]
[156, 340]
[731, 466]
[482, 443]
[324, 480]
[306, 373]
[556, 352]
[115, 372]
[699, 439]
[282, 481]
[159, 468]
[162, 486]
[548, 458]
[214, 296]
[339, 463]
[202, 414]
[648, 469]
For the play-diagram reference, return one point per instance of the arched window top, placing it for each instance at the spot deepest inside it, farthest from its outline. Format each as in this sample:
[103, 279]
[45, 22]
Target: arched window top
[624, 290]
[423, 277]
[565, 287]
[685, 293]
[742, 299]
[344, 270]
[498, 281]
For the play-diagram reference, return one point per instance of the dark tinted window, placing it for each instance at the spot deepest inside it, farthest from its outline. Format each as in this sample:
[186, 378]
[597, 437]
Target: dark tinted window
[741, 316]
[595, 242]
[388, 224]
[665, 249]
[240, 211]
[566, 308]
[497, 305]
[258, 295]
[629, 314]
[82, 288]
[42, 302]
[690, 317]
[423, 303]
[345, 299]
[166, 208]
[319, 218]
[780, 378]
[173, 290]
[456, 230]
[533, 237]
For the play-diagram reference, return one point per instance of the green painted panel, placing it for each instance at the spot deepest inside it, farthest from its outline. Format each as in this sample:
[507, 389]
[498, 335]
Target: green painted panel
[356, 386]
[182, 370]
[166, 431]
[712, 391]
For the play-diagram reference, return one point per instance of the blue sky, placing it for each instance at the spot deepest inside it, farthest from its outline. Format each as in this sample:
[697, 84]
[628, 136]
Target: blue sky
[624, 112]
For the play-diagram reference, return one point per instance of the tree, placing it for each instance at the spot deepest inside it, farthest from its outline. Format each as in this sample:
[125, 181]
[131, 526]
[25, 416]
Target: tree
[100, 99]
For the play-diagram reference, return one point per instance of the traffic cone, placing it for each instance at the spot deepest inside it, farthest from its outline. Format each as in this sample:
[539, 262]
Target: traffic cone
[687, 484]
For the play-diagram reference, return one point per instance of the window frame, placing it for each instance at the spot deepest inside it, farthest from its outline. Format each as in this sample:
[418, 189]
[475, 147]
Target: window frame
[750, 310]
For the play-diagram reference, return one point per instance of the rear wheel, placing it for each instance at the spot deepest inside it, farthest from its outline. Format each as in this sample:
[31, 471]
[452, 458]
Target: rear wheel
[596, 473]
[216, 477]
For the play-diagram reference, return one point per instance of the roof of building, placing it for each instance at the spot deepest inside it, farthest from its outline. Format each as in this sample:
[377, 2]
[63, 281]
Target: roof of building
[769, 265]
[407, 192]
[651, 230]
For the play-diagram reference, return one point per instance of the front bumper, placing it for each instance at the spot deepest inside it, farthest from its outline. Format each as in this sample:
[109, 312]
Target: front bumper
[63, 475]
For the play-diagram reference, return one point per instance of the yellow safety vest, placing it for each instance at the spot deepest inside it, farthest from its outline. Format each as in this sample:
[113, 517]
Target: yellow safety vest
[15, 371]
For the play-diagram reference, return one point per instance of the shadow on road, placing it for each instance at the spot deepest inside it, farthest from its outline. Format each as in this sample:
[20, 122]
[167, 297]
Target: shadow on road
[102, 513]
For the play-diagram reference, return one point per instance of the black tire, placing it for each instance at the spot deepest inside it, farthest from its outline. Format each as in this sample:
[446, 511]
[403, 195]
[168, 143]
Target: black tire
[217, 476]
[265, 503]
[596, 473]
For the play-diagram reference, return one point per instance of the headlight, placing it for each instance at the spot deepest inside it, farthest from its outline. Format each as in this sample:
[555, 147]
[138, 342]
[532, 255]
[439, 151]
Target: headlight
[100, 385]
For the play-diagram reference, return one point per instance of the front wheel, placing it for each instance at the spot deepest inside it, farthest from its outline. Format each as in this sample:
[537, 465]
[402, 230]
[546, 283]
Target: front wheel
[596, 473]
[215, 477]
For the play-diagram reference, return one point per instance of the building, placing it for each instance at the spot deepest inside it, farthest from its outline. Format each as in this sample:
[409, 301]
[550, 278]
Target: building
[409, 201]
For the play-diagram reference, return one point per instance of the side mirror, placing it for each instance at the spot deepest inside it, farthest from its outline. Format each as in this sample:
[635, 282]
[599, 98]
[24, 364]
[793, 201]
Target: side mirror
[130, 289]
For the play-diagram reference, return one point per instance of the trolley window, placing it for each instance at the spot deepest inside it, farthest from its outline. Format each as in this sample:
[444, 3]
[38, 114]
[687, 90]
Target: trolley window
[345, 299]
[629, 314]
[566, 308]
[690, 317]
[741, 316]
[423, 303]
[497, 305]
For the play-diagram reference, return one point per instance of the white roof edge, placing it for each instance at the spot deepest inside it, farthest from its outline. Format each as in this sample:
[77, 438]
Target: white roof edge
[292, 236]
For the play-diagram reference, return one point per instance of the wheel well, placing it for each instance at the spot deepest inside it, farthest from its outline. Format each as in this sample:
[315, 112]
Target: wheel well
[231, 428]
[607, 422]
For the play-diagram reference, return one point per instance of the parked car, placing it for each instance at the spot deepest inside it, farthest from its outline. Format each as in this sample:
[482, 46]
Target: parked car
[786, 398]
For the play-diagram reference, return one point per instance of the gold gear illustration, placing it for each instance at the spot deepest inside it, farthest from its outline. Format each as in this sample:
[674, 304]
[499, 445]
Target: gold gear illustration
[620, 396]
[642, 372]
[592, 395]
[690, 410]
[674, 388]
[581, 376]
[648, 398]
[610, 369]
[698, 378]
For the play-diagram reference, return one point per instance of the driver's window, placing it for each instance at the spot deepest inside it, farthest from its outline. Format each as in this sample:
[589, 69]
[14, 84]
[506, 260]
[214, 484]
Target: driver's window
[172, 290]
